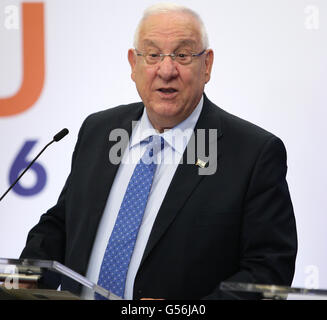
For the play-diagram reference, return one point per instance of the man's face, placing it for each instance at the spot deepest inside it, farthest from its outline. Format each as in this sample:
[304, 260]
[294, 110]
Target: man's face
[169, 90]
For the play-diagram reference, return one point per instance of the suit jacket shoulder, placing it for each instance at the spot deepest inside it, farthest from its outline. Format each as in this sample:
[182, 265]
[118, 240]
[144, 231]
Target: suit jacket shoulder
[240, 137]
[115, 116]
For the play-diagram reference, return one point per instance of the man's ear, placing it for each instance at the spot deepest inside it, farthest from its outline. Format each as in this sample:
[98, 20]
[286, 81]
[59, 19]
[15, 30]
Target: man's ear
[132, 62]
[209, 63]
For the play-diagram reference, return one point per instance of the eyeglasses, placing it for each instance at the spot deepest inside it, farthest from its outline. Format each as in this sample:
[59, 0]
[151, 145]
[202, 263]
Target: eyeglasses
[181, 56]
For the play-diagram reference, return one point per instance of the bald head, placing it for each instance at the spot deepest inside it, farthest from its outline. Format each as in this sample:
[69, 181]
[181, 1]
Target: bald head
[172, 10]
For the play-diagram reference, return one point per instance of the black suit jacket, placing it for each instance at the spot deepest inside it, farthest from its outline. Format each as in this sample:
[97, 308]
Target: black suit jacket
[235, 225]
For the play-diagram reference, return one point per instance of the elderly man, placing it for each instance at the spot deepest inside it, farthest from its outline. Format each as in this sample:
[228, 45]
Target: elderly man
[151, 229]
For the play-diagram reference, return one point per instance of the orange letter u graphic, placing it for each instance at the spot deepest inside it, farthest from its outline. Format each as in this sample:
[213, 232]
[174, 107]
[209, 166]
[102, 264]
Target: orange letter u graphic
[33, 62]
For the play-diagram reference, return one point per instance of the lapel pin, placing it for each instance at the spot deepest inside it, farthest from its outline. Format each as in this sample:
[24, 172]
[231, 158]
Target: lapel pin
[201, 164]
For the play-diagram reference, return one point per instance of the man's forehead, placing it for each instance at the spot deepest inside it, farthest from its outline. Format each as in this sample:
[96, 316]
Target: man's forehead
[176, 42]
[173, 26]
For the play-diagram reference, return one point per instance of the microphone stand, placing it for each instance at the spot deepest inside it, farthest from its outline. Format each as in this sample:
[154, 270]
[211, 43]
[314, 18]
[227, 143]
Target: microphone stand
[56, 138]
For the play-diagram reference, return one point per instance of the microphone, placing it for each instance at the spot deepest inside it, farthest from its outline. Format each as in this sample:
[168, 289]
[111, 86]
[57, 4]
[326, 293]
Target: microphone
[63, 133]
[56, 138]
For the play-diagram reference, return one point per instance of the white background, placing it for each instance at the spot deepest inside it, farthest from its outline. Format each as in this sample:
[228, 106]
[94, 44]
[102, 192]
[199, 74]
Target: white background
[270, 68]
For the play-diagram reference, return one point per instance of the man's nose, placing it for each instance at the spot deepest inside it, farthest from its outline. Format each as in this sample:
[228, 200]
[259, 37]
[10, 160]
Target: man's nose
[167, 68]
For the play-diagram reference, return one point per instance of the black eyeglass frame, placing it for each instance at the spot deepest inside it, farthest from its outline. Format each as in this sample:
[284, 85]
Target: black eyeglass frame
[174, 56]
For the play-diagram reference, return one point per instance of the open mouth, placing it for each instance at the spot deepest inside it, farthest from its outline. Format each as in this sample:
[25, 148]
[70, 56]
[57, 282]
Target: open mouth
[167, 90]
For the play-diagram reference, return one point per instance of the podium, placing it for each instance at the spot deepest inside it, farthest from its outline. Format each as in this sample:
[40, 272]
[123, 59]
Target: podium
[271, 292]
[29, 279]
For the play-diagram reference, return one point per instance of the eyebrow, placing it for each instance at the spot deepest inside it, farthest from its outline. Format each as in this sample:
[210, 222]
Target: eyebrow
[186, 42]
[149, 43]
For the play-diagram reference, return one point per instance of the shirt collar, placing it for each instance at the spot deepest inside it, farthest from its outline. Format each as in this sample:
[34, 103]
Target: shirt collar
[177, 137]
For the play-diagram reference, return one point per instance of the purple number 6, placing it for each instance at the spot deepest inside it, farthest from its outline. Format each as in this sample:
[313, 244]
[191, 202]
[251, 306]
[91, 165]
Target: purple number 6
[20, 164]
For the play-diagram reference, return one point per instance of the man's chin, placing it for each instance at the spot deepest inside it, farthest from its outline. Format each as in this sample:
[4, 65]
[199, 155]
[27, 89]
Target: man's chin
[164, 116]
[167, 110]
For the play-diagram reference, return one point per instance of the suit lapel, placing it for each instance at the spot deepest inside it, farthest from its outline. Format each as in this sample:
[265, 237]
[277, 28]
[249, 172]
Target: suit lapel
[104, 172]
[184, 182]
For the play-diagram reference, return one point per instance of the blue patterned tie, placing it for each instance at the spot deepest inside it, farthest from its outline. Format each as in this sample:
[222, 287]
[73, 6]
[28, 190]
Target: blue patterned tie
[121, 244]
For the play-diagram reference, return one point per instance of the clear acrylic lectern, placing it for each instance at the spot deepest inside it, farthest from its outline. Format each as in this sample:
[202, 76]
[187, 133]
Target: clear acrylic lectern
[272, 292]
[29, 279]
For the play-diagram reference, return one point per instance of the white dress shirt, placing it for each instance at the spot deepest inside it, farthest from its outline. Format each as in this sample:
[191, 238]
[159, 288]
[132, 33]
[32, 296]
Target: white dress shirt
[176, 140]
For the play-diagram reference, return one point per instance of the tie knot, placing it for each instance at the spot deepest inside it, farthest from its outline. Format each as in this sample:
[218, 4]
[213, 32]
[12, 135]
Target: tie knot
[156, 144]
